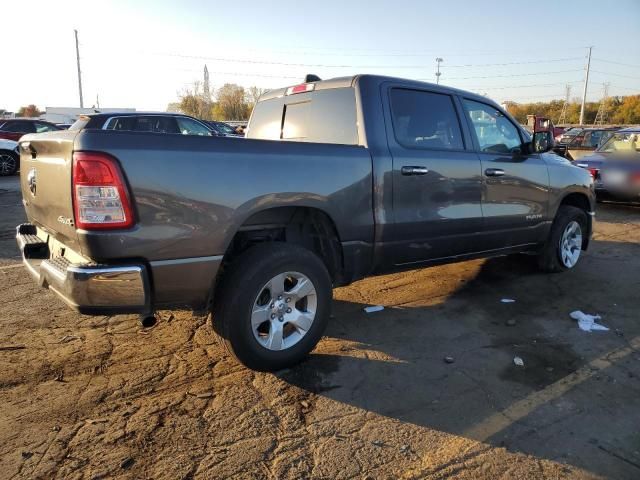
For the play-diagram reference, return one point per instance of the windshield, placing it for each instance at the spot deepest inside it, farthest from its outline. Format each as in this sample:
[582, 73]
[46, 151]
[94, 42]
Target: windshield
[622, 142]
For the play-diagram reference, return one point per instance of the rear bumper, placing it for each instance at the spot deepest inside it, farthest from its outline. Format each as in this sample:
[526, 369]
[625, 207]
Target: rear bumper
[88, 288]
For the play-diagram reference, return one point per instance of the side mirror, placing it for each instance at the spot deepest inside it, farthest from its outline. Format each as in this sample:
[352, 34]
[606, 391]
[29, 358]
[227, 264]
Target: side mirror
[541, 142]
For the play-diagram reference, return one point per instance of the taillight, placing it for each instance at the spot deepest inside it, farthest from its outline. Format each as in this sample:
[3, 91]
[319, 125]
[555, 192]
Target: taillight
[593, 172]
[635, 178]
[100, 197]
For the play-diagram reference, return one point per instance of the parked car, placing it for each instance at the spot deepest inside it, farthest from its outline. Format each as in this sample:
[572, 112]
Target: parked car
[14, 128]
[338, 180]
[568, 135]
[586, 142]
[615, 166]
[222, 129]
[150, 122]
[9, 157]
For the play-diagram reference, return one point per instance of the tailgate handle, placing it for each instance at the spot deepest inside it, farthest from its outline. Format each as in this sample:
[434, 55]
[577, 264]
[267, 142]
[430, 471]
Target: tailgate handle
[407, 170]
[494, 172]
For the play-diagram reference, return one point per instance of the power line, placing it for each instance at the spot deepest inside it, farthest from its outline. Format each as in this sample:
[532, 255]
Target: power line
[322, 65]
[512, 63]
[616, 63]
[506, 87]
[635, 77]
[510, 75]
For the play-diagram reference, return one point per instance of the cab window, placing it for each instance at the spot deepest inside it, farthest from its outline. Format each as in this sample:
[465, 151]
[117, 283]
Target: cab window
[425, 120]
[43, 127]
[494, 131]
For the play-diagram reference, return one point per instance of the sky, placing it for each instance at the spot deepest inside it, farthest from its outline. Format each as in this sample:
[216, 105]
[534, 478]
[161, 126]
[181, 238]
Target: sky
[143, 54]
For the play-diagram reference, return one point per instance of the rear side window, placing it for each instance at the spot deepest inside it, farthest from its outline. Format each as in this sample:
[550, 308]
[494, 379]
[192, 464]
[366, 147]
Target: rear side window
[121, 123]
[321, 116]
[156, 124]
[19, 127]
[425, 120]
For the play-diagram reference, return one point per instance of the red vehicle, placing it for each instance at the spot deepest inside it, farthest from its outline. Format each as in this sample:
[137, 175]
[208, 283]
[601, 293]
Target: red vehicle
[14, 128]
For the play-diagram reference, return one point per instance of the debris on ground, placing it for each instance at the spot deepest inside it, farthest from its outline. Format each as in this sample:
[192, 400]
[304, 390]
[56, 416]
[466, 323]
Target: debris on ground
[68, 338]
[12, 347]
[378, 443]
[373, 308]
[511, 322]
[508, 300]
[93, 421]
[518, 361]
[405, 449]
[126, 463]
[449, 359]
[588, 323]
[201, 395]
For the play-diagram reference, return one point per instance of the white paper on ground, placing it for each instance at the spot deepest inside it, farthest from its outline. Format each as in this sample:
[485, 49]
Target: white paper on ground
[588, 322]
[518, 361]
[508, 300]
[373, 308]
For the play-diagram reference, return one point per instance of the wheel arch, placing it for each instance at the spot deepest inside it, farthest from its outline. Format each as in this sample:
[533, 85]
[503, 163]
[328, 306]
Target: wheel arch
[306, 226]
[580, 200]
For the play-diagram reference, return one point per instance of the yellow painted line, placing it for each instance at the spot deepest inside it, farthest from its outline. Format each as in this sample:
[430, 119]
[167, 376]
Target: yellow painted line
[502, 420]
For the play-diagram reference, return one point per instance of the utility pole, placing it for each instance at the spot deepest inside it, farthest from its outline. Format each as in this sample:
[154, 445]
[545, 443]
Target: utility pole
[207, 92]
[563, 113]
[601, 116]
[438, 61]
[584, 92]
[79, 74]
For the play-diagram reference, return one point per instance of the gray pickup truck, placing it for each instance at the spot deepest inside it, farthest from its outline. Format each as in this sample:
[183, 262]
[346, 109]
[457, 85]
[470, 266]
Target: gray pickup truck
[337, 180]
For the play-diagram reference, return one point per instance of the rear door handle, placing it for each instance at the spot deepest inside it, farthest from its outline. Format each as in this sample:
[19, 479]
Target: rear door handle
[414, 170]
[494, 172]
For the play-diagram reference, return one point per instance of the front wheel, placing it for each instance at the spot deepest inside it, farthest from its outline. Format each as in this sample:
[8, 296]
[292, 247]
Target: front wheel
[273, 305]
[8, 163]
[563, 247]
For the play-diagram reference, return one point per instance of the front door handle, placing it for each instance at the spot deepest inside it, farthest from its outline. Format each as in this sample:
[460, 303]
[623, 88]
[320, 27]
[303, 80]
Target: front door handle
[494, 172]
[414, 170]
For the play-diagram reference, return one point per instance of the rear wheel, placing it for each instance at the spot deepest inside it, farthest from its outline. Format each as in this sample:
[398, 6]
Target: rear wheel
[8, 163]
[563, 247]
[273, 305]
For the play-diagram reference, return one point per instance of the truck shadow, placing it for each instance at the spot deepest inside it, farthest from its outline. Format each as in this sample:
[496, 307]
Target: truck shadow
[395, 362]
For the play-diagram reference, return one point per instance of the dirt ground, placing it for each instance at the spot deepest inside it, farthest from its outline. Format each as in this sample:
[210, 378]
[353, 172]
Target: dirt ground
[101, 397]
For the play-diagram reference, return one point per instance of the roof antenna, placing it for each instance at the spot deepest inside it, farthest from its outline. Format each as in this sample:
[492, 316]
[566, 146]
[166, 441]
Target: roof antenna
[310, 77]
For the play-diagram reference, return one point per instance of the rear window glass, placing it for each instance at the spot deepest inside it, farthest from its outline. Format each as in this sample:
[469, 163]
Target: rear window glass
[321, 116]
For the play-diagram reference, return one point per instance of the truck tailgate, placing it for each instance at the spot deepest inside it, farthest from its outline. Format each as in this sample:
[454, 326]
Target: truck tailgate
[45, 179]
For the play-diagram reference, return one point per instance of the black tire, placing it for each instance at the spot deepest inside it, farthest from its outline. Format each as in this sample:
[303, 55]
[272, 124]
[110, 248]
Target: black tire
[549, 258]
[9, 162]
[244, 280]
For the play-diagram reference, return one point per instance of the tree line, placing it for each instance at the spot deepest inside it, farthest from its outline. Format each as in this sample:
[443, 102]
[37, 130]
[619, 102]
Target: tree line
[230, 102]
[620, 110]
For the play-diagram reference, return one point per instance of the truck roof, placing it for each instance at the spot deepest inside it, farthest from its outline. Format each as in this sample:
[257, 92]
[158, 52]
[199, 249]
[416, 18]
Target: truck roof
[350, 81]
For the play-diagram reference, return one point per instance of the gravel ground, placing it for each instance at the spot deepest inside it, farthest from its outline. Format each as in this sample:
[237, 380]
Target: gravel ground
[101, 397]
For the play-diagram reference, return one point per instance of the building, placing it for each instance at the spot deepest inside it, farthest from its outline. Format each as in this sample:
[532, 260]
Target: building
[71, 114]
